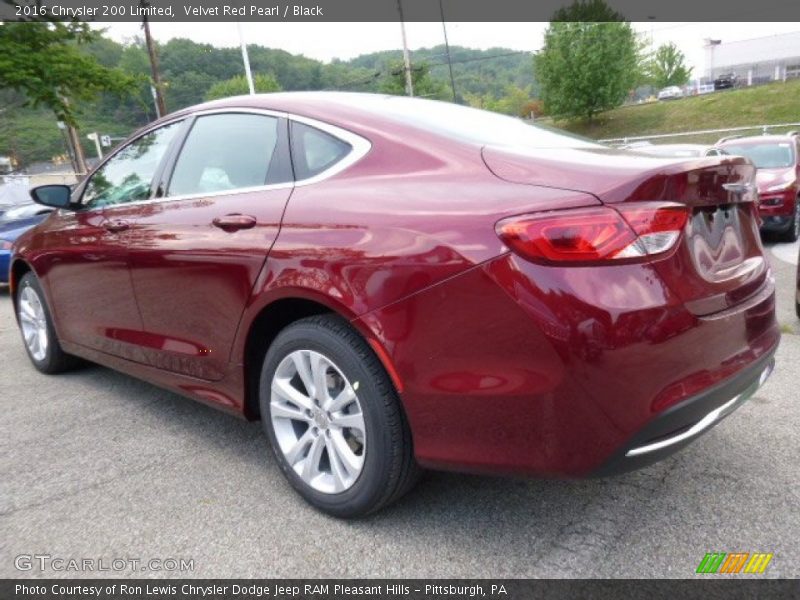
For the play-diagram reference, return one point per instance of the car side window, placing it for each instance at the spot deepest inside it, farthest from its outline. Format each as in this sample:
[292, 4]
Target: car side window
[227, 152]
[315, 151]
[128, 175]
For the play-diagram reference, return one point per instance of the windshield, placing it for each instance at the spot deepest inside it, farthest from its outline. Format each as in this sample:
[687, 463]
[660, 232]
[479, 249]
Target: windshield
[765, 156]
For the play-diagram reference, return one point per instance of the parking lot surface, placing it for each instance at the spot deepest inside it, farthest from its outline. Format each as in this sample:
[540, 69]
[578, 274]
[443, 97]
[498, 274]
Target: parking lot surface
[95, 464]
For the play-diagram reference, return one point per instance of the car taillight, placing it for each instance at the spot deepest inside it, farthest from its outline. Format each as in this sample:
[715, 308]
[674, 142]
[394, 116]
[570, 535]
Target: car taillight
[595, 234]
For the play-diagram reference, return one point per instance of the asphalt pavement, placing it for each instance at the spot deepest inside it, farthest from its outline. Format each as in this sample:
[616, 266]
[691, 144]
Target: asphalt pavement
[95, 464]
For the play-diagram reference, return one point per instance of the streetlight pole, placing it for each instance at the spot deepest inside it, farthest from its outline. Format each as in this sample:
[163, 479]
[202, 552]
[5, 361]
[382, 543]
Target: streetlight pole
[447, 51]
[245, 59]
[406, 57]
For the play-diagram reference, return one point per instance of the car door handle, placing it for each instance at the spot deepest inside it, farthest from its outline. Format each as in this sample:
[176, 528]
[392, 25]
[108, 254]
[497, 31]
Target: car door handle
[234, 222]
[116, 225]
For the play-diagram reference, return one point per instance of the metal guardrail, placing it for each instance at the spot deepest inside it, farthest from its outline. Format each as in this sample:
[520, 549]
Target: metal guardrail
[661, 136]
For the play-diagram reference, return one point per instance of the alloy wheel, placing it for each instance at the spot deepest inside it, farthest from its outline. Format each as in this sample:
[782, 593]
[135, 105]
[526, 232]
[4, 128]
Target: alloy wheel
[318, 421]
[33, 321]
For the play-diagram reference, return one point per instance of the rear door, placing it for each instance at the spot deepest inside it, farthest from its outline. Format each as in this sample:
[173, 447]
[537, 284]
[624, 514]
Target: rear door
[197, 250]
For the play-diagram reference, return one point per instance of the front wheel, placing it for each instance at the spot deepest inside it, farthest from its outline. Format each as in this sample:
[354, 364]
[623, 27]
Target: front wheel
[38, 333]
[334, 419]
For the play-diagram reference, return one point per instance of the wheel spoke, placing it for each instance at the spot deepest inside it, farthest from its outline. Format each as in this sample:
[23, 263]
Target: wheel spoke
[354, 421]
[304, 371]
[280, 410]
[43, 339]
[311, 465]
[284, 389]
[338, 470]
[27, 319]
[319, 369]
[296, 451]
[345, 397]
[350, 461]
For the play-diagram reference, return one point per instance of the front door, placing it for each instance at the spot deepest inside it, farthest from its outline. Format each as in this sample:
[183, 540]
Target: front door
[88, 273]
[196, 252]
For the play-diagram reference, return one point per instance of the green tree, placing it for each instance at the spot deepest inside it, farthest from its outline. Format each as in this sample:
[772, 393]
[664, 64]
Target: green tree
[236, 86]
[668, 67]
[45, 62]
[589, 63]
[425, 86]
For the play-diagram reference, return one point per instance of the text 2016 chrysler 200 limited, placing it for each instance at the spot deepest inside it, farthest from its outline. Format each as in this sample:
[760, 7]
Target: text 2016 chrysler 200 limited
[391, 283]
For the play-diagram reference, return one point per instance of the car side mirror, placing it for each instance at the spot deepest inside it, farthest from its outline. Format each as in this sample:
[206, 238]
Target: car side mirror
[57, 196]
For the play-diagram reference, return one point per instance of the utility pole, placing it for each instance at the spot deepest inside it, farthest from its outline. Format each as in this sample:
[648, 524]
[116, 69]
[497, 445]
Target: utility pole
[447, 52]
[161, 108]
[77, 149]
[406, 58]
[246, 60]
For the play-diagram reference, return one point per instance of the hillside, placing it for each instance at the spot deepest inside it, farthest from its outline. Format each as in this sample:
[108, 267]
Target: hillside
[773, 103]
[189, 69]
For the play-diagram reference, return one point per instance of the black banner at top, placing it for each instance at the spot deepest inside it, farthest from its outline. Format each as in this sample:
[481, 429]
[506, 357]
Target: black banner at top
[387, 10]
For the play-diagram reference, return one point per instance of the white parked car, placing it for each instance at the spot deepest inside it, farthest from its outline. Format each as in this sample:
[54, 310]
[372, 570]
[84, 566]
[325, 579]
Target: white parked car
[23, 211]
[672, 92]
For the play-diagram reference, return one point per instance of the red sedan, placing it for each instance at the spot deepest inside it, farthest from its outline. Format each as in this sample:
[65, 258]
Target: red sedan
[392, 283]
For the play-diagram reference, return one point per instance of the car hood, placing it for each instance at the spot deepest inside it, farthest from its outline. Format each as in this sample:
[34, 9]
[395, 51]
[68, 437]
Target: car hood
[614, 175]
[11, 230]
[767, 178]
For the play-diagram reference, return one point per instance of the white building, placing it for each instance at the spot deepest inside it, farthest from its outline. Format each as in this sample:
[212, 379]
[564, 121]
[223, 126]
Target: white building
[758, 60]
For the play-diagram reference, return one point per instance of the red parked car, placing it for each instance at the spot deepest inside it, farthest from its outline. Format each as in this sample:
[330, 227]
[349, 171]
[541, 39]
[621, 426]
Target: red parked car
[393, 283]
[777, 158]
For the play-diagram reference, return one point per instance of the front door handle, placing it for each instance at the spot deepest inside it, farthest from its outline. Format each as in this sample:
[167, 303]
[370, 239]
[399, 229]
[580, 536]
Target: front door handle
[234, 222]
[116, 225]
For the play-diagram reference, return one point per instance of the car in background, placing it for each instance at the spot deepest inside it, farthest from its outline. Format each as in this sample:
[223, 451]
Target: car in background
[672, 92]
[677, 150]
[24, 211]
[9, 232]
[392, 282]
[777, 160]
[726, 81]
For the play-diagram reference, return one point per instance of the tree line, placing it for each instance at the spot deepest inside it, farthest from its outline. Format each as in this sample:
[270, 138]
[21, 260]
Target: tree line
[590, 62]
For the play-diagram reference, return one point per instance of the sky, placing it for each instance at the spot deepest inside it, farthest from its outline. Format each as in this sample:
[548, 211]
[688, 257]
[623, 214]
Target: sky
[326, 41]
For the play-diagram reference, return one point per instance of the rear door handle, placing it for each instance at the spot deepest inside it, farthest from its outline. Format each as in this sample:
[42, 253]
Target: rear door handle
[235, 222]
[116, 225]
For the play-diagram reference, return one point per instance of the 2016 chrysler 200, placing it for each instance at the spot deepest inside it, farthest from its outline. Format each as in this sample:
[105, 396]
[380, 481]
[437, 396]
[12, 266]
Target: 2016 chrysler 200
[391, 283]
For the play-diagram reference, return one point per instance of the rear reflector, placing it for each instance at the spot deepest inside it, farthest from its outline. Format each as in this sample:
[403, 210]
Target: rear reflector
[597, 234]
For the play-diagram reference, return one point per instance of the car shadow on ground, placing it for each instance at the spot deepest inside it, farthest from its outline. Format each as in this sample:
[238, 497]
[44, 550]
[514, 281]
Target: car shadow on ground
[445, 506]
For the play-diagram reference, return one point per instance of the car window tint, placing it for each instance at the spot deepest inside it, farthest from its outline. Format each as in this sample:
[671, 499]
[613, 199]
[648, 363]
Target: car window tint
[127, 176]
[225, 152]
[314, 151]
[766, 155]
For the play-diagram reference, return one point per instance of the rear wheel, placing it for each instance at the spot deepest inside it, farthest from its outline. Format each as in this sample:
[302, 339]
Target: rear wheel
[334, 419]
[38, 333]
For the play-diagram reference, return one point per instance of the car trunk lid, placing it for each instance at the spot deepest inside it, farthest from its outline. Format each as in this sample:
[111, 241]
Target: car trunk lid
[719, 260]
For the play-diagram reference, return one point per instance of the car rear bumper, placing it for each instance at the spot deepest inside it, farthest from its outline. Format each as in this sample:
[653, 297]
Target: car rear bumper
[514, 368]
[681, 424]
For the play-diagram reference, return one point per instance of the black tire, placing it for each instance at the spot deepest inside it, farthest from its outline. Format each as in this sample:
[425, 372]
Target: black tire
[389, 469]
[792, 234]
[55, 360]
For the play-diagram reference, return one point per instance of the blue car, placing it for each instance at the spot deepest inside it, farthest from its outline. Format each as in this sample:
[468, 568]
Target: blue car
[9, 232]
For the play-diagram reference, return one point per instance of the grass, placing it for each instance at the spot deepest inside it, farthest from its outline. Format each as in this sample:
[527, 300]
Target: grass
[772, 103]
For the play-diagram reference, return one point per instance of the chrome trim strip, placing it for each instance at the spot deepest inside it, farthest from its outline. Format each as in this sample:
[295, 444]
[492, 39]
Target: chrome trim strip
[707, 421]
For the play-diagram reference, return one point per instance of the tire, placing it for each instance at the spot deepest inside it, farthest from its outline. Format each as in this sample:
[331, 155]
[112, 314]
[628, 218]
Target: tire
[33, 316]
[376, 465]
[793, 233]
